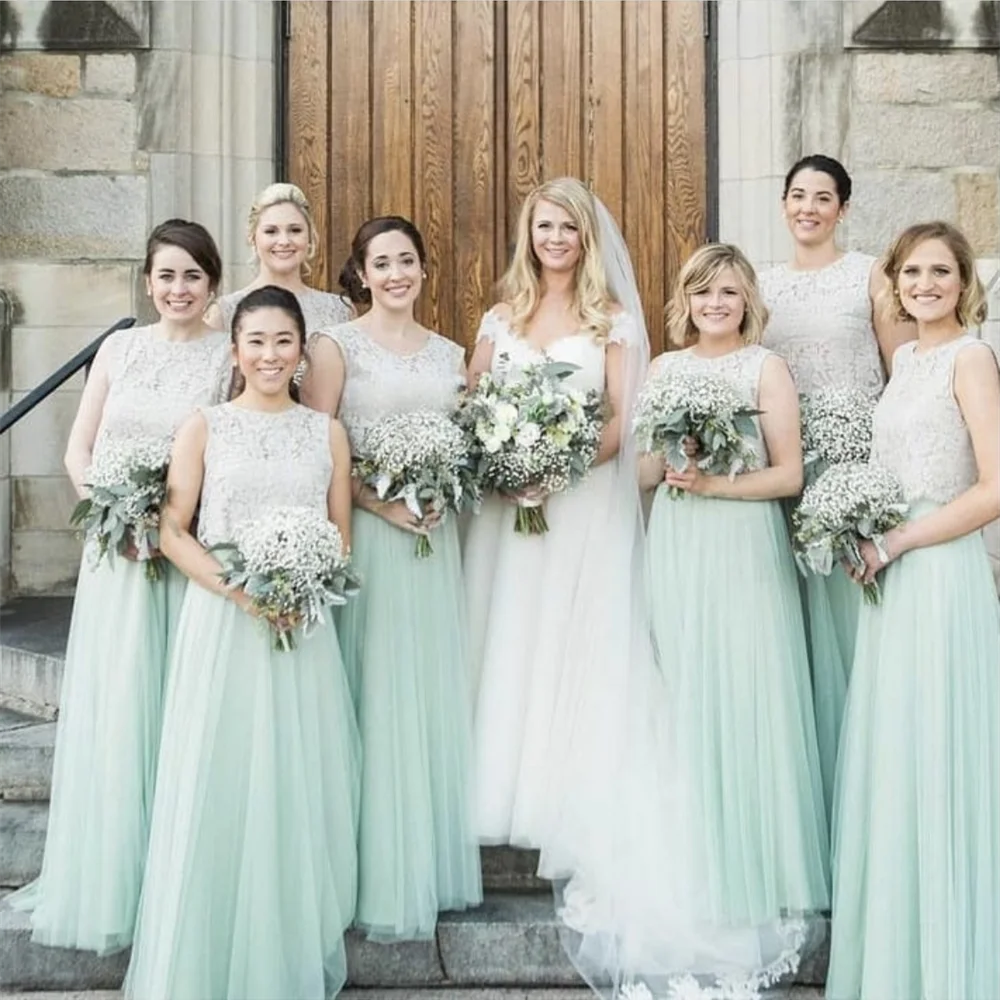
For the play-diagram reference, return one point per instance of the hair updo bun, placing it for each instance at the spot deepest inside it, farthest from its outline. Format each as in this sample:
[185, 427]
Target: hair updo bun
[350, 274]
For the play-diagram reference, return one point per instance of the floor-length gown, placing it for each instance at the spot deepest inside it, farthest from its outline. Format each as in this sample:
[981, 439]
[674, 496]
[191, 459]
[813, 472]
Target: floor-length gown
[916, 856]
[252, 870]
[821, 324]
[404, 645]
[542, 656]
[111, 702]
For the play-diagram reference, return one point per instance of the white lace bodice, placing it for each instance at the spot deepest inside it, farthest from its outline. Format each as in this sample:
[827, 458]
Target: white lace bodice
[919, 433]
[379, 382]
[741, 368]
[511, 352]
[256, 460]
[154, 384]
[320, 309]
[821, 324]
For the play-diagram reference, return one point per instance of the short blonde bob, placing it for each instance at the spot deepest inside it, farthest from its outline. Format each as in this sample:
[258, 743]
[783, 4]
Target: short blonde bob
[520, 286]
[972, 305]
[282, 194]
[698, 272]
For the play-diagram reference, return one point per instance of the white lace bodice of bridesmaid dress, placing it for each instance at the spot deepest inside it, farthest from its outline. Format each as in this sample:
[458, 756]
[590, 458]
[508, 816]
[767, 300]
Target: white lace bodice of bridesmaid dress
[379, 382]
[821, 324]
[154, 384]
[919, 433]
[256, 460]
[511, 352]
[740, 368]
[320, 309]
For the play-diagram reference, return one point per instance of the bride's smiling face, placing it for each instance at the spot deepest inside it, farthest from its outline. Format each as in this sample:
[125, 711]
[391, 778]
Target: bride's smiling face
[555, 237]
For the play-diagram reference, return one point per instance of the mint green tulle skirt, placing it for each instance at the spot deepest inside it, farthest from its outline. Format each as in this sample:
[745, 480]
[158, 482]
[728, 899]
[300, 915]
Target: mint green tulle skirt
[107, 739]
[916, 899]
[727, 621]
[403, 640]
[252, 870]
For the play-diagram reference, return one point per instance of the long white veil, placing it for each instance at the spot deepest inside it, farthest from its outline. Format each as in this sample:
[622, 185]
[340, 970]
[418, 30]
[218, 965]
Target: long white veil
[631, 901]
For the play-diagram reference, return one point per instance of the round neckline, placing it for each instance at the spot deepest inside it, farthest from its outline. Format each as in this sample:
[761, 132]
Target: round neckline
[394, 354]
[264, 413]
[931, 351]
[818, 270]
[157, 339]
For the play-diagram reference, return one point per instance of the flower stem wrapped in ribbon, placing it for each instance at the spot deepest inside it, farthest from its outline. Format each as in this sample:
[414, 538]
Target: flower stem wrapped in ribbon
[128, 484]
[291, 563]
[836, 428]
[676, 405]
[530, 432]
[421, 458]
[847, 503]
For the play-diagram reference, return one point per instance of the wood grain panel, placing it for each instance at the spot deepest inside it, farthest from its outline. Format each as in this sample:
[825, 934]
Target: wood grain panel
[605, 136]
[475, 162]
[562, 116]
[433, 178]
[349, 156]
[392, 98]
[686, 187]
[309, 73]
[524, 139]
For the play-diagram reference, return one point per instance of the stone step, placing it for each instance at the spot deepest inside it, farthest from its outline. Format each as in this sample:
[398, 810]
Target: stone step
[34, 632]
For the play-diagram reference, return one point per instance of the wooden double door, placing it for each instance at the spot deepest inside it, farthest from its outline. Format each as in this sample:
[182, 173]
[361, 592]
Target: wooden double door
[450, 111]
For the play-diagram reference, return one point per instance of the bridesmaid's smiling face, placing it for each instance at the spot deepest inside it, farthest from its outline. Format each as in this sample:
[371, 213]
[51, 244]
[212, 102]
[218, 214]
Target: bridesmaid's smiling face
[178, 286]
[282, 238]
[393, 271]
[555, 237]
[718, 309]
[930, 283]
[268, 347]
[812, 207]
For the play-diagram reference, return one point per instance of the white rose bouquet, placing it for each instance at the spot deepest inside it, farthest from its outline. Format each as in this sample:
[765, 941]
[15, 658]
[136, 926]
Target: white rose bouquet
[675, 405]
[291, 563]
[128, 484]
[847, 503]
[530, 431]
[421, 458]
[836, 428]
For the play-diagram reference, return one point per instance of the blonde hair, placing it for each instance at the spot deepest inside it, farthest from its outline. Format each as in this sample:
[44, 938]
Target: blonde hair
[972, 305]
[699, 271]
[283, 194]
[520, 287]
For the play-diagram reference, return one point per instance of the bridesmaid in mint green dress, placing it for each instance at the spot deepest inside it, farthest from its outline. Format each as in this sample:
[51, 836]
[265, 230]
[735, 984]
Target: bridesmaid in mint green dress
[252, 868]
[727, 621]
[916, 863]
[827, 322]
[404, 637]
[144, 383]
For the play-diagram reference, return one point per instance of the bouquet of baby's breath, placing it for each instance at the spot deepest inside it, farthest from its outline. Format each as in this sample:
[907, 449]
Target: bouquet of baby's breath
[529, 430]
[836, 428]
[127, 481]
[421, 458]
[847, 503]
[675, 405]
[291, 563]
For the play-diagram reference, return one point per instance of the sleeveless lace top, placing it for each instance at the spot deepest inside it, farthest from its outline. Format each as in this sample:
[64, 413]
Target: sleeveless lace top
[919, 433]
[379, 382]
[740, 368]
[320, 309]
[821, 324]
[511, 352]
[154, 384]
[255, 461]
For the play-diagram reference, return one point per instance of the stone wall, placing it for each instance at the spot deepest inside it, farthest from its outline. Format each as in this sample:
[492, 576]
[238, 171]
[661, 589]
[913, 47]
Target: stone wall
[919, 129]
[97, 147]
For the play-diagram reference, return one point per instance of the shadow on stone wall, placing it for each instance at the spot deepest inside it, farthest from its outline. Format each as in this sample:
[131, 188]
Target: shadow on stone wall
[73, 25]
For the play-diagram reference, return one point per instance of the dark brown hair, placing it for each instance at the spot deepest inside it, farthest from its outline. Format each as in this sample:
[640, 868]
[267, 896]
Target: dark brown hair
[824, 165]
[267, 297]
[194, 239]
[350, 273]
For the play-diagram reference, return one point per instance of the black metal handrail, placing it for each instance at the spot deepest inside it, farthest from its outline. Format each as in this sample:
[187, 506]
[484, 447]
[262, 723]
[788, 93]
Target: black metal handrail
[43, 390]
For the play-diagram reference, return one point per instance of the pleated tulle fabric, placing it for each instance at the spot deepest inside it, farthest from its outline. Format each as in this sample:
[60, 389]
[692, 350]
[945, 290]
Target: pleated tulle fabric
[104, 774]
[916, 902]
[252, 871]
[832, 604]
[728, 625]
[403, 640]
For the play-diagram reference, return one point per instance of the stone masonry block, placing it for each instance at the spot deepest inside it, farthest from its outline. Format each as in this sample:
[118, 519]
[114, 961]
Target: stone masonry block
[87, 215]
[37, 352]
[110, 74]
[40, 73]
[896, 136]
[57, 295]
[84, 134]
[45, 562]
[925, 77]
[978, 210]
[886, 202]
[38, 440]
[42, 503]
